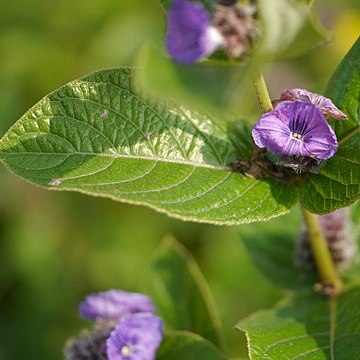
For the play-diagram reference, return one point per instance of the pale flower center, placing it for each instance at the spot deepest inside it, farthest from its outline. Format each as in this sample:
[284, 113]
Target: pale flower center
[296, 136]
[126, 350]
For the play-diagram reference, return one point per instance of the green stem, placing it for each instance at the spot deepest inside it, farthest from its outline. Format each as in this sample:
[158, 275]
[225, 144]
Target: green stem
[331, 282]
[262, 92]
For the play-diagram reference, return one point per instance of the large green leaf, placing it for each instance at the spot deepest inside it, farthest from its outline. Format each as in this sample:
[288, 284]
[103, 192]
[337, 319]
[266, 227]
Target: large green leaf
[338, 184]
[181, 294]
[182, 345]
[100, 136]
[306, 327]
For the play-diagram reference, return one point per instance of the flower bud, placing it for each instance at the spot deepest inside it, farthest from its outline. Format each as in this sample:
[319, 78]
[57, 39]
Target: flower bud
[325, 105]
[89, 345]
[337, 232]
[238, 28]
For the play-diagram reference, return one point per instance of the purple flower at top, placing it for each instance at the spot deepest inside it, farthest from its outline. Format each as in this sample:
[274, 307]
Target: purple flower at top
[137, 337]
[114, 305]
[190, 35]
[296, 129]
[324, 104]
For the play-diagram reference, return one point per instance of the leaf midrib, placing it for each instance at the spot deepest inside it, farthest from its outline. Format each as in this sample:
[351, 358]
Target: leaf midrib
[120, 156]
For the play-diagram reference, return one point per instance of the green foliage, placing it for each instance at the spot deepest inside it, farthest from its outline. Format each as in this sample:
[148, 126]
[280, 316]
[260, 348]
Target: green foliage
[166, 3]
[180, 293]
[181, 345]
[338, 184]
[289, 330]
[272, 248]
[306, 327]
[239, 133]
[210, 84]
[289, 28]
[356, 213]
[64, 243]
[100, 136]
[207, 3]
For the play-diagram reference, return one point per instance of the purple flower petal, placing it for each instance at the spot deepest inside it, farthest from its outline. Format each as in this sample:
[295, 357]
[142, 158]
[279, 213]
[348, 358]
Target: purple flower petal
[296, 128]
[190, 35]
[324, 104]
[114, 304]
[137, 337]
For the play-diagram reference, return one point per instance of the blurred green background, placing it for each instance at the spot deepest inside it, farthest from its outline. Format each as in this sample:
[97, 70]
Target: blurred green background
[57, 247]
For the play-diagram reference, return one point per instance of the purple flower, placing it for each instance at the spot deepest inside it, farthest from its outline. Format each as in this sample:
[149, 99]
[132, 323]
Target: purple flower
[190, 35]
[137, 337]
[296, 129]
[114, 304]
[324, 104]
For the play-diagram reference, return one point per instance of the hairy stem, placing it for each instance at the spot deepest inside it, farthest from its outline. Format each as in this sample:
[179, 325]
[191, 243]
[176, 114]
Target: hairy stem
[331, 282]
[262, 92]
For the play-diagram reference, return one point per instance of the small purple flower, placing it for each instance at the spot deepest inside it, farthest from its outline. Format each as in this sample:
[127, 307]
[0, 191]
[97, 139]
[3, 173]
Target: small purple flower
[296, 129]
[324, 104]
[114, 304]
[190, 36]
[137, 337]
